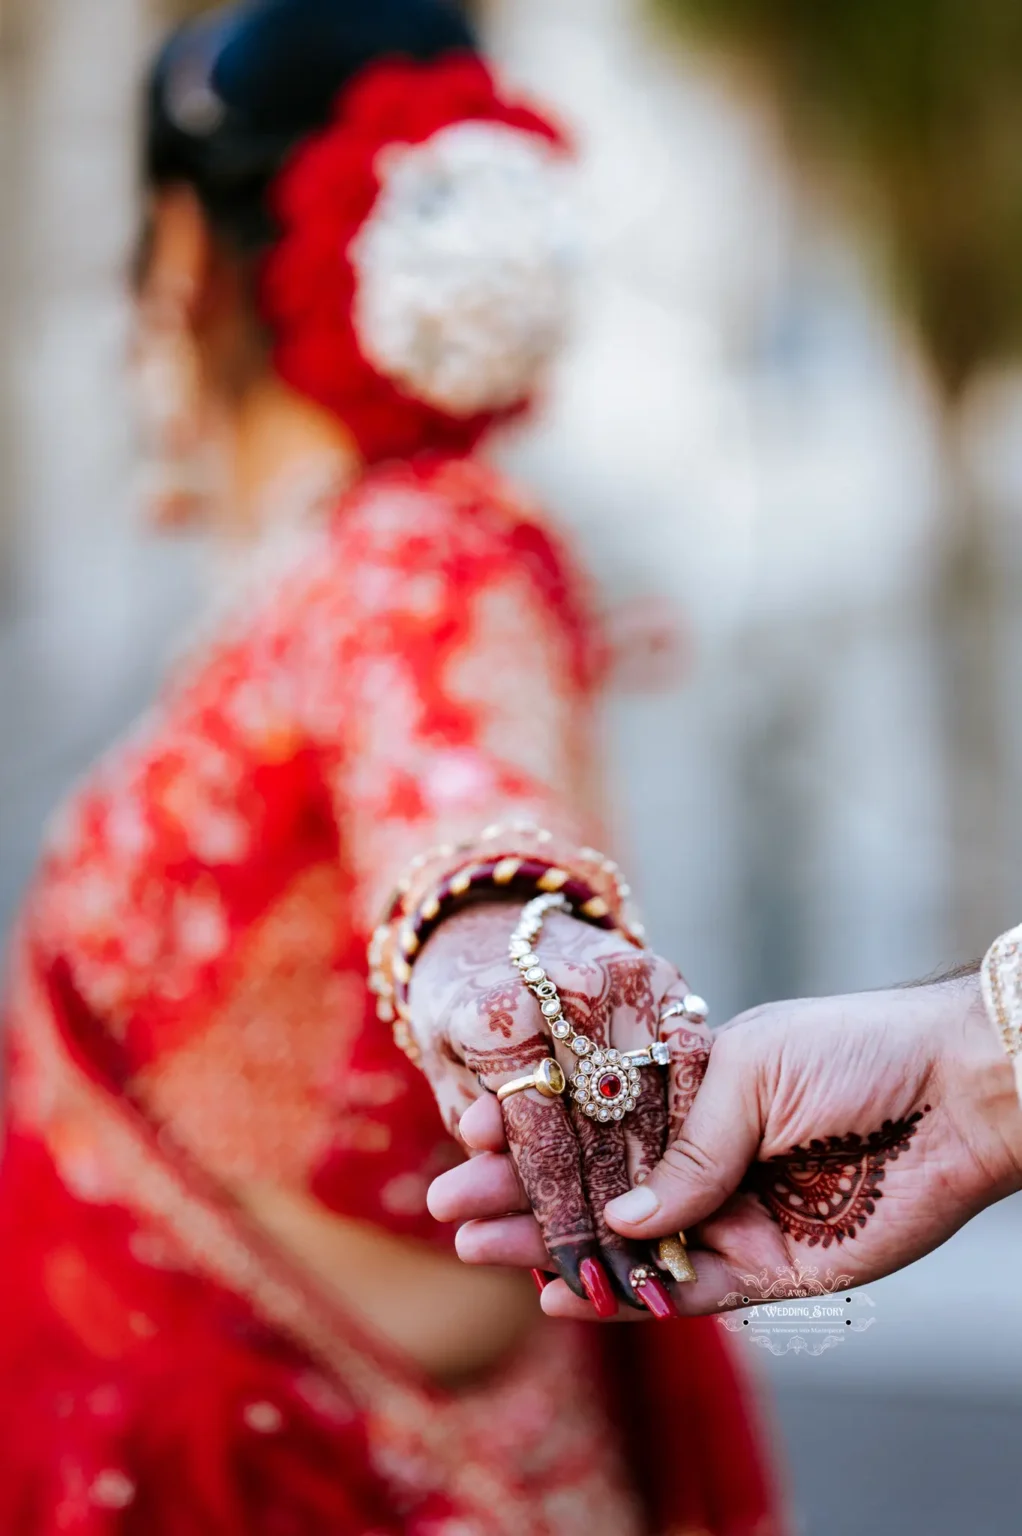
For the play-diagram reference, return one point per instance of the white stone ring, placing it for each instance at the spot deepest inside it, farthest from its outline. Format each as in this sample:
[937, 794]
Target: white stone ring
[656, 1054]
[691, 1007]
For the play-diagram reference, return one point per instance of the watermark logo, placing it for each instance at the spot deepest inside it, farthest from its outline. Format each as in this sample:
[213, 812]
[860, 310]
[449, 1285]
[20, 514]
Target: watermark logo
[798, 1311]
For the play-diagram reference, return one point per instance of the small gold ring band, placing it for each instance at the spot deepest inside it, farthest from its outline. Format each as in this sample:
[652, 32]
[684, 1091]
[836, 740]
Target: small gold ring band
[548, 1080]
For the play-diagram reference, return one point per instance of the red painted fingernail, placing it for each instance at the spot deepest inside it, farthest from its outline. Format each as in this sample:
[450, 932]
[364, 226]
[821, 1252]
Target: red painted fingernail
[541, 1278]
[597, 1287]
[653, 1295]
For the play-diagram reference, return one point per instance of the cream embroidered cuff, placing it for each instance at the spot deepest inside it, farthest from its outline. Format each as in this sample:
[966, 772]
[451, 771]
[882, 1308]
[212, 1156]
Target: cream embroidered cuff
[1001, 980]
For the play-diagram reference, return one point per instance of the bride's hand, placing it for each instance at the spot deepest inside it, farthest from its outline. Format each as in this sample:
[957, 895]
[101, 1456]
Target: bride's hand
[867, 1129]
[476, 1023]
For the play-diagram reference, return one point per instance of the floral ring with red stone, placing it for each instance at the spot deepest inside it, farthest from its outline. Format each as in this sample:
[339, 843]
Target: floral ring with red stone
[606, 1082]
[605, 1085]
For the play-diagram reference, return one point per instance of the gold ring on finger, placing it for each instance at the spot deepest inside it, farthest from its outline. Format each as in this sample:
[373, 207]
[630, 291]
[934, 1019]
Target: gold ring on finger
[548, 1080]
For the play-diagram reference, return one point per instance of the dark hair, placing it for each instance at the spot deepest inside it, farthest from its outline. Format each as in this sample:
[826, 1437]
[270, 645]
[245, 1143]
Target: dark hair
[231, 93]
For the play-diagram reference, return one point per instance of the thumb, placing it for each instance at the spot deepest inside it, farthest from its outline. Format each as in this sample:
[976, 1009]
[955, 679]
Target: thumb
[705, 1164]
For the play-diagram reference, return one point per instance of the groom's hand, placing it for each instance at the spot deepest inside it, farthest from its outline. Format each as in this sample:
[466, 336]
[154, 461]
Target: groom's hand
[859, 1132]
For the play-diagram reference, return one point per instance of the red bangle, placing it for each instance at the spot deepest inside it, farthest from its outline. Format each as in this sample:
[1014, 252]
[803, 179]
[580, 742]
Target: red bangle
[414, 914]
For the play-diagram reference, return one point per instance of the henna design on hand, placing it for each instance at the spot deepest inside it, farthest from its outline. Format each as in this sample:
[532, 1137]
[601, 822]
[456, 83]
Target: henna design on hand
[569, 1166]
[647, 1125]
[546, 1154]
[466, 957]
[509, 1058]
[613, 1153]
[497, 1005]
[605, 1175]
[827, 1191]
[630, 985]
[624, 982]
[589, 1015]
[690, 1056]
[453, 1086]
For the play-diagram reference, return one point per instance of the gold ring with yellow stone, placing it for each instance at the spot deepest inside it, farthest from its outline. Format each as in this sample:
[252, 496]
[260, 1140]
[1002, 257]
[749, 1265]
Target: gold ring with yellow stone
[548, 1080]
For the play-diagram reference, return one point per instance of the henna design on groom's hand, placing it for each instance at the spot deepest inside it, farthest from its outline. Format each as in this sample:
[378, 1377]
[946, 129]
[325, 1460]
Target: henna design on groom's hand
[827, 1191]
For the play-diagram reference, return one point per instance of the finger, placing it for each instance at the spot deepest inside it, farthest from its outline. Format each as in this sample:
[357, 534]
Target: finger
[605, 1176]
[545, 1151]
[646, 1126]
[547, 1157]
[718, 1287]
[482, 1126]
[646, 1140]
[689, 1041]
[456, 1088]
[747, 1249]
[486, 1185]
[705, 1163]
[620, 994]
[665, 1102]
[513, 1241]
[558, 1301]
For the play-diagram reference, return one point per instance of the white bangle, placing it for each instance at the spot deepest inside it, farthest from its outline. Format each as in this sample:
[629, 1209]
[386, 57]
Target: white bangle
[1001, 982]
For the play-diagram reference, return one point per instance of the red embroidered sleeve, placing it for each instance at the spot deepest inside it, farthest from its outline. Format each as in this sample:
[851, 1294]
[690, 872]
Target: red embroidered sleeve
[447, 676]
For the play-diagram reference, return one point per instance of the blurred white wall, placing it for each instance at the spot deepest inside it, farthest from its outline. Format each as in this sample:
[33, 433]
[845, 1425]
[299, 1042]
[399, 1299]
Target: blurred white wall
[738, 427]
[741, 425]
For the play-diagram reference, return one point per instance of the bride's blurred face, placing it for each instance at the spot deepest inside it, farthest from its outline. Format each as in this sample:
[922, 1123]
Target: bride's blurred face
[197, 346]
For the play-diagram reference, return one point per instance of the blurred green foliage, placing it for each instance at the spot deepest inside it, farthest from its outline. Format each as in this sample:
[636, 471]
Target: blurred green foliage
[922, 101]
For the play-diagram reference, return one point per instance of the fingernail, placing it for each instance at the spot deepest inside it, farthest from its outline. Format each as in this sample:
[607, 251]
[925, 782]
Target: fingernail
[597, 1287]
[568, 1260]
[540, 1278]
[653, 1295]
[673, 1255]
[638, 1205]
[619, 1263]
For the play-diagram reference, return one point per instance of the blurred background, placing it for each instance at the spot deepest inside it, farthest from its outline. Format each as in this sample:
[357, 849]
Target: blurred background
[791, 416]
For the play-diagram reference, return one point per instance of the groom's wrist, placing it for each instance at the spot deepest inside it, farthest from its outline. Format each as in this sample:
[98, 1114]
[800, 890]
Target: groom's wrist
[978, 1065]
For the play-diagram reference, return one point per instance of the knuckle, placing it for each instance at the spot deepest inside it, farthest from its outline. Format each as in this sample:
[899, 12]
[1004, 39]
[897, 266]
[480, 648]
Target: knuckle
[752, 1018]
[664, 974]
[581, 979]
[690, 1038]
[685, 1161]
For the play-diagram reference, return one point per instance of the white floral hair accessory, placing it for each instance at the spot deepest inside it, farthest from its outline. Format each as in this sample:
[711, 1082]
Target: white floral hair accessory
[464, 268]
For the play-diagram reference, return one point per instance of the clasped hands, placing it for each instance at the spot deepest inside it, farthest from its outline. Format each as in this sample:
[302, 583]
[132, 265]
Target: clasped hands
[853, 1132]
[479, 1027]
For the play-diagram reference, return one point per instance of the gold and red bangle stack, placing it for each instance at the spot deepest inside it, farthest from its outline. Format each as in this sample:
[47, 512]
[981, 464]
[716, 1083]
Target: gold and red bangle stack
[513, 862]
